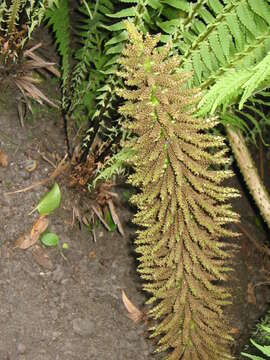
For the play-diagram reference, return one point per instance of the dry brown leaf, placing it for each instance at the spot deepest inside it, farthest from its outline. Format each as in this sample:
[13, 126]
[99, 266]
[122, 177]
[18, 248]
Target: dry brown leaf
[23, 242]
[91, 254]
[38, 228]
[3, 158]
[115, 217]
[27, 240]
[135, 314]
[234, 331]
[251, 297]
[42, 258]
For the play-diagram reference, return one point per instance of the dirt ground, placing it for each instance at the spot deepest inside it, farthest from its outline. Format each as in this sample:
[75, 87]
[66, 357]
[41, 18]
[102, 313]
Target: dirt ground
[72, 308]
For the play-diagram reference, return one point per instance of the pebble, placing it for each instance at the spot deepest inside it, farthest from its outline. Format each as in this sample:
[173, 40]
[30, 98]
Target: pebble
[83, 327]
[54, 314]
[58, 274]
[21, 348]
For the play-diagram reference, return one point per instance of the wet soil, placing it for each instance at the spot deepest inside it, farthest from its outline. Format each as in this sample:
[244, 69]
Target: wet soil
[72, 308]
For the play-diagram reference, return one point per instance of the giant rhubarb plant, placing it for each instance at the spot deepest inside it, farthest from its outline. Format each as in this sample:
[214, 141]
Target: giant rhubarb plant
[183, 208]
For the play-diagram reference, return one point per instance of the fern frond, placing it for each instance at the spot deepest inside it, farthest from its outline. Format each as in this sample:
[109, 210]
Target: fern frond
[58, 17]
[87, 74]
[212, 45]
[116, 165]
[182, 205]
[35, 14]
[13, 14]
[103, 96]
[236, 86]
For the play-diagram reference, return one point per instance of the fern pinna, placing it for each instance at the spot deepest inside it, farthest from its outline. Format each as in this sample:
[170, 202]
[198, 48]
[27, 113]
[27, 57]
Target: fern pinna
[183, 206]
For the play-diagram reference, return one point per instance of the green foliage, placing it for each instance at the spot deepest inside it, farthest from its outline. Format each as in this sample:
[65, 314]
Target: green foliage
[116, 165]
[50, 201]
[58, 18]
[18, 19]
[226, 45]
[49, 239]
[183, 207]
[263, 349]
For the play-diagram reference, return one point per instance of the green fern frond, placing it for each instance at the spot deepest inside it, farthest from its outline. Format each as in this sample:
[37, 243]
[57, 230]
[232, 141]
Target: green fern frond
[87, 74]
[103, 96]
[35, 14]
[58, 17]
[116, 165]
[260, 75]
[183, 206]
[236, 86]
[238, 34]
[13, 14]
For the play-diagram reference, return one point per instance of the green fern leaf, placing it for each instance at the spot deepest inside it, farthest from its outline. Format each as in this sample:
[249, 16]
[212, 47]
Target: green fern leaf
[58, 18]
[129, 12]
[225, 39]
[247, 19]
[216, 6]
[236, 30]
[206, 56]
[261, 8]
[261, 73]
[13, 14]
[216, 47]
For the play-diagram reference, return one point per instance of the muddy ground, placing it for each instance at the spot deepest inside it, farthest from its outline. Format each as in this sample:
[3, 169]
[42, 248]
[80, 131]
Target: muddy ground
[70, 307]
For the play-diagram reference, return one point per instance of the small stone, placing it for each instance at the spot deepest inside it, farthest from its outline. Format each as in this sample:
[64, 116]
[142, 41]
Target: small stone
[56, 335]
[58, 274]
[54, 314]
[83, 327]
[21, 348]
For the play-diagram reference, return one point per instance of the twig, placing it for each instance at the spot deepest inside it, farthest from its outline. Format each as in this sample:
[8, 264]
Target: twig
[65, 123]
[94, 235]
[63, 166]
[100, 217]
[261, 159]
[46, 159]
[262, 248]
[20, 112]
[262, 283]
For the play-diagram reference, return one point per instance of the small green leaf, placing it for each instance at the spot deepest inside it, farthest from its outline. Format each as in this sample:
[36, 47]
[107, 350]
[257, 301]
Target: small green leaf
[110, 222]
[49, 239]
[65, 246]
[124, 13]
[50, 201]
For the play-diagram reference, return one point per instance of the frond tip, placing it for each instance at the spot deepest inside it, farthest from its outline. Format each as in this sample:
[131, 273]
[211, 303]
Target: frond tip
[182, 205]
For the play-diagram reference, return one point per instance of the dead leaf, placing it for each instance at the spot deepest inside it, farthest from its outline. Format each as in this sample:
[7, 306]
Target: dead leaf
[85, 221]
[42, 258]
[99, 215]
[23, 242]
[91, 254]
[38, 228]
[27, 240]
[115, 217]
[251, 297]
[135, 314]
[76, 216]
[3, 159]
[234, 331]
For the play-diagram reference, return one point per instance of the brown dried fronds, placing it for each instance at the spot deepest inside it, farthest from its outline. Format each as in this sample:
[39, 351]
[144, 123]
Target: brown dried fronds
[183, 206]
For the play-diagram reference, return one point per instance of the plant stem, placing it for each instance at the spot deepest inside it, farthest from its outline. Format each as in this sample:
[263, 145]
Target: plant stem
[249, 172]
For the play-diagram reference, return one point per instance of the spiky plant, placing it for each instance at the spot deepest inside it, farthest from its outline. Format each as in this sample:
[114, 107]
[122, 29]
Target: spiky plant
[18, 19]
[183, 206]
